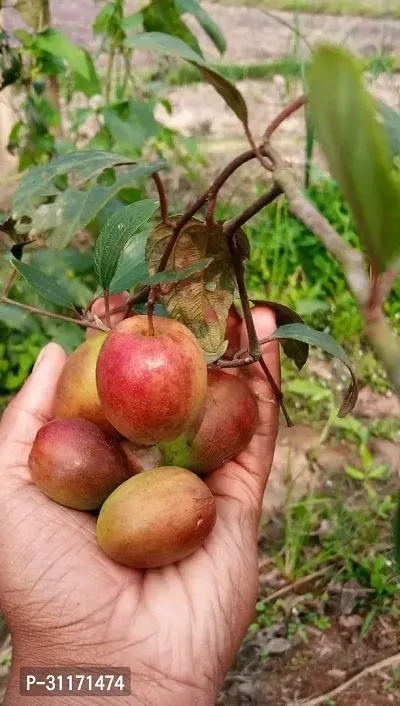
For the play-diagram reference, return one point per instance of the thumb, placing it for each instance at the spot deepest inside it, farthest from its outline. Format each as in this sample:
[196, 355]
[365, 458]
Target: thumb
[29, 410]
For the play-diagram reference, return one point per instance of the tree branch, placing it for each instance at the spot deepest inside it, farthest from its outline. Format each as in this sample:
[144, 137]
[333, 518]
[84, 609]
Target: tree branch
[377, 329]
[50, 315]
[162, 196]
[234, 224]
[8, 283]
[282, 116]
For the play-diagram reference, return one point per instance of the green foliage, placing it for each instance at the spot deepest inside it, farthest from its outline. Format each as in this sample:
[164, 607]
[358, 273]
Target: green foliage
[300, 332]
[119, 229]
[164, 44]
[72, 209]
[344, 116]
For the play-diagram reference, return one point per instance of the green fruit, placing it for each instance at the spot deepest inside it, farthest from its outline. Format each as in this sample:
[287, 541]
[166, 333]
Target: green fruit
[156, 518]
[226, 426]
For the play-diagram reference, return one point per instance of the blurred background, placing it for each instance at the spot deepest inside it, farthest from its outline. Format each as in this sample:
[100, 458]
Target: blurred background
[329, 594]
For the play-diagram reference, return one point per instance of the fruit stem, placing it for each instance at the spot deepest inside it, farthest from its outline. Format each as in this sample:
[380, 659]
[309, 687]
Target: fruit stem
[107, 307]
[150, 309]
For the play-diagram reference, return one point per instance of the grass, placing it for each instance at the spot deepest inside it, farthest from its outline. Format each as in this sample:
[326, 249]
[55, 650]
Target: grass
[368, 8]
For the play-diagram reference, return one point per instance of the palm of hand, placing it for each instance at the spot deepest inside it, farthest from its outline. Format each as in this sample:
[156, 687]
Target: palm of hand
[180, 625]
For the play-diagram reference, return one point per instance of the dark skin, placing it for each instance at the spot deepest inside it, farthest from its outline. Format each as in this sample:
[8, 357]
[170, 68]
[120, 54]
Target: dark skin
[177, 628]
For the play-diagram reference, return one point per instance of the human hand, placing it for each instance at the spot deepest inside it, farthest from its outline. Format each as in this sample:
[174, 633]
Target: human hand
[178, 628]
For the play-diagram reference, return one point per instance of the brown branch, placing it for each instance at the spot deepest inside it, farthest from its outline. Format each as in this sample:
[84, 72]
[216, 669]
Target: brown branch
[277, 392]
[234, 224]
[257, 150]
[162, 196]
[291, 587]
[236, 363]
[107, 307]
[8, 283]
[372, 669]
[210, 193]
[49, 314]
[301, 207]
[377, 329]
[237, 261]
[282, 116]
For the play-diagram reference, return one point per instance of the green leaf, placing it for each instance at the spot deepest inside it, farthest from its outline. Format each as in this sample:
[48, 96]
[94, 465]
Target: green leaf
[391, 126]
[396, 528]
[78, 59]
[163, 16]
[295, 350]
[159, 309]
[45, 286]
[115, 234]
[206, 22]
[74, 208]
[179, 275]
[134, 21]
[131, 132]
[354, 473]
[131, 267]
[301, 332]
[104, 18]
[171, 46]
[344, 117]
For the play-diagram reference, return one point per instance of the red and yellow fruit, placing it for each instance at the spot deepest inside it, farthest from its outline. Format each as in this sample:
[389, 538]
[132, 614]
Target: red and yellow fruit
[76, 464]
[156, 518]
[151, 387]
[225, 427]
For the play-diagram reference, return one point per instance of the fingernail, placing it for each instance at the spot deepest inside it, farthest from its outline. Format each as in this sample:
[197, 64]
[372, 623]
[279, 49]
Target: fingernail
[40, 357]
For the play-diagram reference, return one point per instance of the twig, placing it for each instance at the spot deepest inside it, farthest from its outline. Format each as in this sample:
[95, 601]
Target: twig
[235, 223]
[377, 329]
[107, 307]
[210, 193]
[150, 309]
[277, 392]
[210, 210]
[257, 150]
[235, 363]
[8, 283]
[49, 314]
[237, 261]
[292, 587]
[282, 116]
[162, 196]
[372, 669]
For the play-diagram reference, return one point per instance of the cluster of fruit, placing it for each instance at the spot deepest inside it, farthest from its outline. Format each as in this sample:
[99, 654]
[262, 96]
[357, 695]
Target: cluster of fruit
[137, 419]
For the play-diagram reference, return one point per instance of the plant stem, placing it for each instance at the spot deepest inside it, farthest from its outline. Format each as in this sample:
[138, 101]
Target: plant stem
[107, 307]
[277, 392]
[254, 346]
[282, 116]
[150, 309]
[210, 193]
[162, 196]
[233, 225]
[212, 201]
[257, 150]
[10, 279]
[110, 65]
[41, 312]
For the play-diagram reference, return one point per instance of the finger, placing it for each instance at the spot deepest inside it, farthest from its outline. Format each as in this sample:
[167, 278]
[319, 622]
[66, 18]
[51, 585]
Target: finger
[259, 454]
[99, 309]
[31, 408]
[233, 332]
[243, 480]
